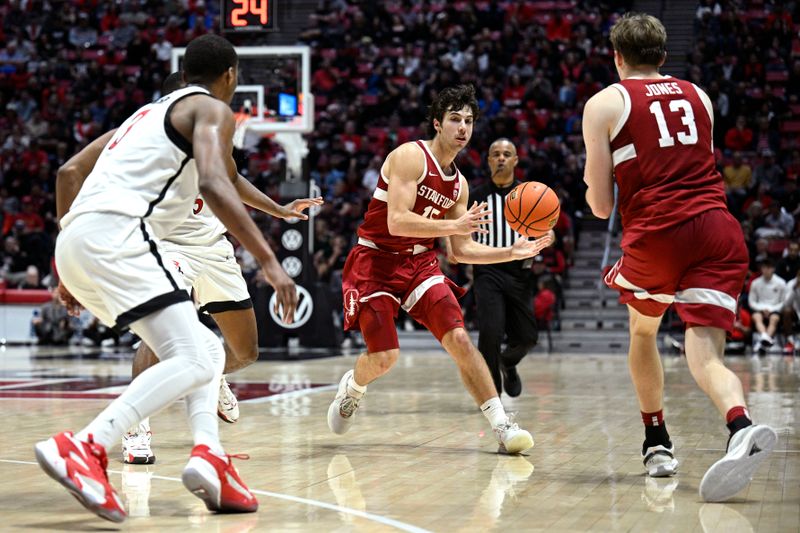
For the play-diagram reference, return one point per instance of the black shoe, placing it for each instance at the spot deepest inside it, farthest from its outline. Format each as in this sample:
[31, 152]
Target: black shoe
[511, 381]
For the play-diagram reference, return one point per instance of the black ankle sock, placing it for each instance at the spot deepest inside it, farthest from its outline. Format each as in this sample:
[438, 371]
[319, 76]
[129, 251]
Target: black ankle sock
[655, 436]
[740, 422]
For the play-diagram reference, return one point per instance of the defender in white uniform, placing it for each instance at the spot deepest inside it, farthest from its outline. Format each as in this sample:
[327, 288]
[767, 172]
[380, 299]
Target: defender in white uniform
[204, 257]
[110, 260]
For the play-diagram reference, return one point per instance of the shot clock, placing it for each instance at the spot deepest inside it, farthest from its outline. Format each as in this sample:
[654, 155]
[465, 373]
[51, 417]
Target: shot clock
[248, 15]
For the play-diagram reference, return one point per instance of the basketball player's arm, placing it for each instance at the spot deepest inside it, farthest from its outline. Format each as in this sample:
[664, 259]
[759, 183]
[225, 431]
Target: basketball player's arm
[466, 250]
[254, 198]
[404, 167]
[212, 135]
[599, 116]
[72, 174]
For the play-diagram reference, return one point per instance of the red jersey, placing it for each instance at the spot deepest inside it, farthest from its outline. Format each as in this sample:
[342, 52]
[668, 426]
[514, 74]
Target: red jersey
[663, 157]
[436, 194]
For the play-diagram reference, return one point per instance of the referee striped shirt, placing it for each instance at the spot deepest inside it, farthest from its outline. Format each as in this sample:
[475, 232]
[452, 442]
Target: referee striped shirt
[500, 234]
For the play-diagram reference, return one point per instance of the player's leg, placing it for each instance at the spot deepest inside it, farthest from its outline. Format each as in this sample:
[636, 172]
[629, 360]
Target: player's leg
[239, 329]
[646, 277]
[438, 310]
[137, 441]
[376, 321]
[222, 292]
[706, 302]
[521, 332]
[491, 303]
[647, 375]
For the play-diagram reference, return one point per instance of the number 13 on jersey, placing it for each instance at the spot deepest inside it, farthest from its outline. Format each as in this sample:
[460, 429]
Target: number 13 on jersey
[687, 118]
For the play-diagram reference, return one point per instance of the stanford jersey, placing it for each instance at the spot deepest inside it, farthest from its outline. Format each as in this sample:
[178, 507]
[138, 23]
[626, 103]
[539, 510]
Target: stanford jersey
[436, 194]
[662, 152]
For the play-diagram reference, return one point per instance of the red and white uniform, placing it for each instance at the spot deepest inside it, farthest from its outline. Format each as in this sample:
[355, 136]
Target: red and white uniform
[384, 271]
[680, 244]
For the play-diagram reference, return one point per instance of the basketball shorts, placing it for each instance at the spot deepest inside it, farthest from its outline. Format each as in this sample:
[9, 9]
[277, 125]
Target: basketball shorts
[376, 283]
[699, 266]
[114, 266]
[213, 273]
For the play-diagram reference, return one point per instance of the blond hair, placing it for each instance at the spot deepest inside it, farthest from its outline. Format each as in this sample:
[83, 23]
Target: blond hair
[641, 39]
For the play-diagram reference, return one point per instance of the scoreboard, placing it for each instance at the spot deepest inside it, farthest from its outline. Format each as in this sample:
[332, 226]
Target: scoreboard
[248, 15]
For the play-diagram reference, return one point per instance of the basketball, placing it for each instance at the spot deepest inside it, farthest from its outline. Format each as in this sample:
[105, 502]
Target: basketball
[531, 209]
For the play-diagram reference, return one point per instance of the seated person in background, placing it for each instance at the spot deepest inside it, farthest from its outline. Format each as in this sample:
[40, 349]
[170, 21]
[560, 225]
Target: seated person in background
[31, 279]
[788, 264]
[766, 298]
[791, 313]
[52, 325]
[544, 304]
[778, 222]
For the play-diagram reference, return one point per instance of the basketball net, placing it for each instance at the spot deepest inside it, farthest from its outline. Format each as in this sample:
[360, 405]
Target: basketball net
[241, 129]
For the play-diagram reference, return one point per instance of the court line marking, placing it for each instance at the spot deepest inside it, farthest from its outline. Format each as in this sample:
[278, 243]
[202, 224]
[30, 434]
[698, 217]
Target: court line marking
[385, 520]
[291, 394]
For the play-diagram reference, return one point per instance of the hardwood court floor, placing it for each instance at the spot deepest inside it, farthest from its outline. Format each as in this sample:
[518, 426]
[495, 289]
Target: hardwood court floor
[419, 456]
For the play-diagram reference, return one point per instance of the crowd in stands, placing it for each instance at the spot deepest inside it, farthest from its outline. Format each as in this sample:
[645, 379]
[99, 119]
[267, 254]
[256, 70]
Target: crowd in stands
[70, 70]
[746, 54]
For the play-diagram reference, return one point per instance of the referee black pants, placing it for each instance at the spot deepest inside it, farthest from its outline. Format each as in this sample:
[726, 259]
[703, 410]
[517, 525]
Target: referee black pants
[505, 311]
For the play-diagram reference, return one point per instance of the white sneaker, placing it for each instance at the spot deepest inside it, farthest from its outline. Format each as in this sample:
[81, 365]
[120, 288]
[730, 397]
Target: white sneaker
[227, 405]
[344, 406]
[659, 461]
[747, 449]
[512, 439]
[136, 445]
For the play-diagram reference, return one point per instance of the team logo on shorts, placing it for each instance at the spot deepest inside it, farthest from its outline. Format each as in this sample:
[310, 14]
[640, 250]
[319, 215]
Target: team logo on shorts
[351, 303]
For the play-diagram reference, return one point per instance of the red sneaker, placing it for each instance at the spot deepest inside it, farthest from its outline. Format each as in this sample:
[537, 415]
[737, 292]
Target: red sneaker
[215, 480]
[81, 468]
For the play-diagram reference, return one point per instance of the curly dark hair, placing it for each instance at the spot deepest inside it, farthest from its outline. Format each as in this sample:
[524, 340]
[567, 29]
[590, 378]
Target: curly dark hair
[452, 99]
[207, 58]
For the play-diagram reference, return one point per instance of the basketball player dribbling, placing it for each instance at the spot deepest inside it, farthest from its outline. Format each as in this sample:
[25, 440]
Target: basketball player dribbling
[421, 196]
[110, 260]
[204, 257]
[680, 244]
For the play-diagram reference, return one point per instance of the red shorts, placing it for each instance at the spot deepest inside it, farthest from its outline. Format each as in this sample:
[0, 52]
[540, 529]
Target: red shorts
[376, 283]
[699, 266]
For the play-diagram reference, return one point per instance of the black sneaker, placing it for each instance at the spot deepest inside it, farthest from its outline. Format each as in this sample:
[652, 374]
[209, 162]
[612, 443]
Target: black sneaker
[511, 381]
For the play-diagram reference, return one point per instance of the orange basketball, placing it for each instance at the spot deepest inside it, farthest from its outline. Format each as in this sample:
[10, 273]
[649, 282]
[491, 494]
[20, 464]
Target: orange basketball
[531, 209]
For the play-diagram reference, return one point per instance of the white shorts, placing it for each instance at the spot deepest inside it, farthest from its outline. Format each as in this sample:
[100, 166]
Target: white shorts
[114, 266]
[213, 273]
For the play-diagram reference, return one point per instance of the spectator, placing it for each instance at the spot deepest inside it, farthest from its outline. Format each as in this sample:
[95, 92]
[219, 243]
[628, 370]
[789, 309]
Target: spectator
[766, 300]
[789, 264]
[52, 324]
[769, 173]
[740, 137]
[544, 304]
[31, 280]
[778, 223]
[83, 35]
[738, 178]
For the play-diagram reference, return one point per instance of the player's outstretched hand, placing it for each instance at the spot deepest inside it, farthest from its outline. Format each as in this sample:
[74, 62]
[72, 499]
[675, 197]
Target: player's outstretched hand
[285, 291]
[523, 248]
[473, 220]
[73, 306]
[295, 209]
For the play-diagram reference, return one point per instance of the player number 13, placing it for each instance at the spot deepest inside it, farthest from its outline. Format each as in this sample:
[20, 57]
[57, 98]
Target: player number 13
[687, 119]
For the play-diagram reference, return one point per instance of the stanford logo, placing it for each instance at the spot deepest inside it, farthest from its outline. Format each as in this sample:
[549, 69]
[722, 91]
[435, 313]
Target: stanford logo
[351, 303]
[456, 190]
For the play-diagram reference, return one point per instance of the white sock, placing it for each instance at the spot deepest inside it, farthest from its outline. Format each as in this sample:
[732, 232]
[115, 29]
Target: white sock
[494, 412]
[357, 390]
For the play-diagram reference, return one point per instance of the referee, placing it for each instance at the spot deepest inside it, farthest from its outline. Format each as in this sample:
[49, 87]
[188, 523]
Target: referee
[503, 291]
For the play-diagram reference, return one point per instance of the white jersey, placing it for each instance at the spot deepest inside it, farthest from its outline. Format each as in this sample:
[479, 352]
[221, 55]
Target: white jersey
[146, 170]
[201, 228]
